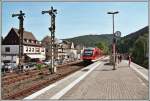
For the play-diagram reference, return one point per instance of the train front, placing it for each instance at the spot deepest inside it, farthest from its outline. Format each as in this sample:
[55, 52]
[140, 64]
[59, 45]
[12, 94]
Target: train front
[87, 55]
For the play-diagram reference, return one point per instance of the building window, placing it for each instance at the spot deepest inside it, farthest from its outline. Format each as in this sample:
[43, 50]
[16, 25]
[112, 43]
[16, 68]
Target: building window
[42, 49]
[30, 41]
[7, 49]
[29, 49]
[32, 49]
[37, 42]
[26, 49]
[25, 40]
[46, 50]
[37, 49]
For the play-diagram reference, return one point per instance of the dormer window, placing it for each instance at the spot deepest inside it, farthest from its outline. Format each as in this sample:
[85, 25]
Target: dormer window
[25, 40]
[30, 41]
[37, 42]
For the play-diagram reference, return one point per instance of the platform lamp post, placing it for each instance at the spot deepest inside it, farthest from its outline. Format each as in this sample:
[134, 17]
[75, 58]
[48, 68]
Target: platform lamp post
[52, 13]
[20, 16]
[114, 39]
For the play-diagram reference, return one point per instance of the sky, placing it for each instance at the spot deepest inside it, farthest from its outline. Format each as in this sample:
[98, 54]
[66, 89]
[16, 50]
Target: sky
[76, 18]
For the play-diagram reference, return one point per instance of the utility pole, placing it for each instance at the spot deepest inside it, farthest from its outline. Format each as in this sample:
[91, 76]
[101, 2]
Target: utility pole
[20, 16]
[52, 13]
[114, 39]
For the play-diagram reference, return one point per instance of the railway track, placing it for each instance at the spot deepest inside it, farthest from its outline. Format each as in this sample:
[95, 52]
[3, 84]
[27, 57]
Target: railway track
[13, 77]
[18, 78]
[29, 85]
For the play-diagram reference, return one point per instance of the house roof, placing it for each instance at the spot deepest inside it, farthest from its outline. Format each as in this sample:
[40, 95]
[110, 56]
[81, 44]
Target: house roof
[29, 36]
[26, 34]
[66, 44]
[47, 40]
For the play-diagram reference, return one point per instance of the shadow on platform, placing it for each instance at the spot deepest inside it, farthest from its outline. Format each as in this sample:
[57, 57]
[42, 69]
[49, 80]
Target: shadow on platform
[108, 63]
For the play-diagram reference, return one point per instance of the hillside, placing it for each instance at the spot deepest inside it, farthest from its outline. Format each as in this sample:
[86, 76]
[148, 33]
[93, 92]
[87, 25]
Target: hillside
[135, 44]
[91, 40]
[127, 42]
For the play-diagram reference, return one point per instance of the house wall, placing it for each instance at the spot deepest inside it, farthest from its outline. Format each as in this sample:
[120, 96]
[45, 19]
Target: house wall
[43, 50]
[72, 53]
[30, 45]
[31, 49]
[11, 58]
[34, 49]
[14, 49]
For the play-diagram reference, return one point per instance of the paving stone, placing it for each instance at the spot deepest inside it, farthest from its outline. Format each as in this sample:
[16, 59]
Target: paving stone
[105, 83]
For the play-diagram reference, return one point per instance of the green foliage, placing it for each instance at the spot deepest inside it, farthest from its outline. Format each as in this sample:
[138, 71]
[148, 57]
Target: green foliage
[136, 44]
[94, 41]
[91, 40]
[140, 49]
[39, 66]
[145, 63]
[103, 46]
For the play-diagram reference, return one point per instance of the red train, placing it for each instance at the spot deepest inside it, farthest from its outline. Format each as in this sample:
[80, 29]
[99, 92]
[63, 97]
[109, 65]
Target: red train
[91, 54]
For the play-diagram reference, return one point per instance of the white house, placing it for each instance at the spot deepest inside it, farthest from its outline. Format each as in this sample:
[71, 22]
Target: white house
[67, 50]
[32, 49]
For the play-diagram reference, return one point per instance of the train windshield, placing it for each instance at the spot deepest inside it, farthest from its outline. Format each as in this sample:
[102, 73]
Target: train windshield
[88, 53]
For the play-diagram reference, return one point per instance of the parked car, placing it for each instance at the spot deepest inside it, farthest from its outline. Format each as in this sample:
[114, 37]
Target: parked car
[29, 66]
[66, 61]
[13, 66]
[8, 67]
[4, 68]
[59, 62]
[47, 62]
[26, 67]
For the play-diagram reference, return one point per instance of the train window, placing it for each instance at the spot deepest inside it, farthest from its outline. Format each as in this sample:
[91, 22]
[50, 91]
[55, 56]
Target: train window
[88, 53]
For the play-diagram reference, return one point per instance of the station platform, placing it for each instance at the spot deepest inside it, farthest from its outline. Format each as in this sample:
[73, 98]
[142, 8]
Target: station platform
[99, 81]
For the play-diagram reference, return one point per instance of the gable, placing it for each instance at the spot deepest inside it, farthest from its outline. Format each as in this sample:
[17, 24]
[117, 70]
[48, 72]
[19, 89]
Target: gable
[11, 38]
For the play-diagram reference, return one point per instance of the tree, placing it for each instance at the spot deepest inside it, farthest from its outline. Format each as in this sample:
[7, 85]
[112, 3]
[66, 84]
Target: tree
[139, 50]
[103, 46]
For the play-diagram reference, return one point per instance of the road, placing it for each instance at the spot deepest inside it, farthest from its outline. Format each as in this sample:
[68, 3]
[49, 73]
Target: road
[99, 81]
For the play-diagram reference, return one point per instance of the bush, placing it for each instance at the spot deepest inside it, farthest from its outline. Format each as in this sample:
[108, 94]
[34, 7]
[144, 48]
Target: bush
[39, 66]
[145, 64]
